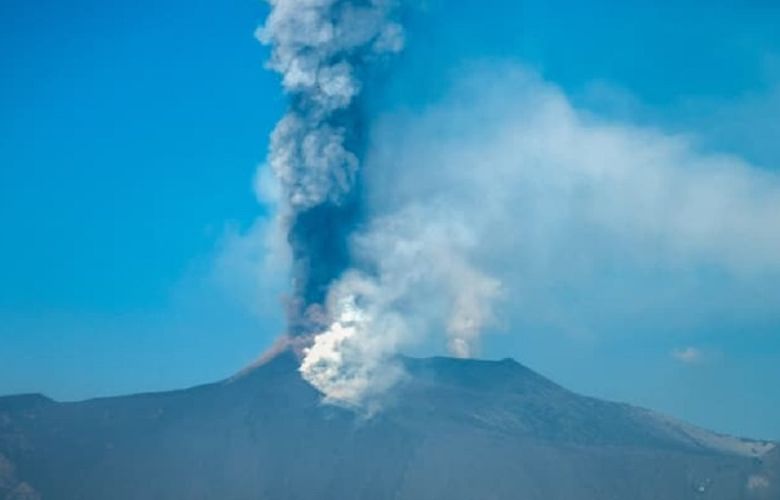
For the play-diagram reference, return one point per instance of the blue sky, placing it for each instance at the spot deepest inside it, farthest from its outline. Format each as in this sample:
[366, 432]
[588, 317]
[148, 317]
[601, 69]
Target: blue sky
[130, 134]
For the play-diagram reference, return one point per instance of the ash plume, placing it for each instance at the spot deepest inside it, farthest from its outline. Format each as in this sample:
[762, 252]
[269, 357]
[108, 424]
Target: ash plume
[321, 49]
[365, 284]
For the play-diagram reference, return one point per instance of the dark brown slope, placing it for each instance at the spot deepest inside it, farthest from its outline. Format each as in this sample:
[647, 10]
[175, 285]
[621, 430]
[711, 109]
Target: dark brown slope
[456, 429]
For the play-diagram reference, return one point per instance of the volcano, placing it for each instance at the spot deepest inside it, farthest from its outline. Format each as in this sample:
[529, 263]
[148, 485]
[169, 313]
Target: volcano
[452, 429]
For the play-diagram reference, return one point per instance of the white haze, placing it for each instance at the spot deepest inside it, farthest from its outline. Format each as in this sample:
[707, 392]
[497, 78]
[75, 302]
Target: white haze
[509, 156]
[480, 201]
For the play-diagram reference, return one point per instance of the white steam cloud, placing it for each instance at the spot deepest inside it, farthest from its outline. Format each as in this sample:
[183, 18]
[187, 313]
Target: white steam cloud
[526, 168]
[585, 221]
[422, 282]
[349, 362]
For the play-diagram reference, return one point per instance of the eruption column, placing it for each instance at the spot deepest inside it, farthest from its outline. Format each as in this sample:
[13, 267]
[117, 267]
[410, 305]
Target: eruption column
[358, 297]
[322, 49]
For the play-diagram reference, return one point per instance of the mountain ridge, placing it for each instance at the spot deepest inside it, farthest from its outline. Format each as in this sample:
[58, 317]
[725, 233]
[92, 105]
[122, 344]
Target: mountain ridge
[452, 428]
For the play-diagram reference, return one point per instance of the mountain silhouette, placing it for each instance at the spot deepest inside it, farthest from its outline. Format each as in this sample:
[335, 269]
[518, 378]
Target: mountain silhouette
[452, 429]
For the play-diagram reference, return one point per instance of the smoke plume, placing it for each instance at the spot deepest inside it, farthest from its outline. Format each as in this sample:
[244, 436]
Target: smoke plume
[364, 285]
[321, 49]
[349, 308]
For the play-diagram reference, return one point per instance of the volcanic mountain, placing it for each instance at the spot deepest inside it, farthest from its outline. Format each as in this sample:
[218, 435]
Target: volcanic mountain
[453, 429]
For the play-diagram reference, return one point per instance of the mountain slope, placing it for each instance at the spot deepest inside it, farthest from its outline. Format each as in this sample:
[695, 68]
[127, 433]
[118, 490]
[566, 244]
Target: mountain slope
[454, 429]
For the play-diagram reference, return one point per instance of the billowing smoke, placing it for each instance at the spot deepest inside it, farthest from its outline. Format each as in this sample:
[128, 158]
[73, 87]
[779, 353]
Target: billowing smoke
[421, 281]
[322, 49]
[364, 285]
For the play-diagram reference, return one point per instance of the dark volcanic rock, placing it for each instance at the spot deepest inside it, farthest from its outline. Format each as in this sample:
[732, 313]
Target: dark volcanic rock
[455, 429]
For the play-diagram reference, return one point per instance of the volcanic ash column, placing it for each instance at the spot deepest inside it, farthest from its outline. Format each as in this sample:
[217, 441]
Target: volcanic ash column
[321, 48]
[357, 295]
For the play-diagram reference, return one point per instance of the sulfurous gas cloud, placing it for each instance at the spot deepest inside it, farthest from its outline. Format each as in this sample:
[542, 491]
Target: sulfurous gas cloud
[359, 282]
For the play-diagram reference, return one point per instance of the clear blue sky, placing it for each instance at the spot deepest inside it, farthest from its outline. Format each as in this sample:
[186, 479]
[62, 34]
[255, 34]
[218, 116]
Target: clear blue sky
[130, 133]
